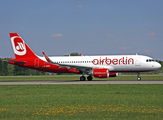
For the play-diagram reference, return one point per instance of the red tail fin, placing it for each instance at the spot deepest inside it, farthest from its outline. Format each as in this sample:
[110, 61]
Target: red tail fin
[20, 48]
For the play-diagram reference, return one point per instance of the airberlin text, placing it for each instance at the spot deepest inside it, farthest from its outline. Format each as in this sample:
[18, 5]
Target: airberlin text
[115, 61]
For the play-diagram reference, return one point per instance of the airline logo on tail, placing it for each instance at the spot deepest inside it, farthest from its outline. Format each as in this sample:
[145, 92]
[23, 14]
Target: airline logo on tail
[18, 45]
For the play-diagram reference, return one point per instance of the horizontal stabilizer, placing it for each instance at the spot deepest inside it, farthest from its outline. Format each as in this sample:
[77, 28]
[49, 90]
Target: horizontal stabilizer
[17, 61]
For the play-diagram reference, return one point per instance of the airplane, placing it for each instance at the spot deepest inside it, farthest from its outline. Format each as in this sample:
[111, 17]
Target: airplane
[101, 66]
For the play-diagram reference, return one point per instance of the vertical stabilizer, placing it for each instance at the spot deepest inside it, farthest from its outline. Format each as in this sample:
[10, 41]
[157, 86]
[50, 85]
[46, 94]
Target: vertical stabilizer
[21, 49]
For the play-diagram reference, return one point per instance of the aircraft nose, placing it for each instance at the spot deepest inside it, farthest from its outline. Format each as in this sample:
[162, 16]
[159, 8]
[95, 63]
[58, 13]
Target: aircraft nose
[158, 66]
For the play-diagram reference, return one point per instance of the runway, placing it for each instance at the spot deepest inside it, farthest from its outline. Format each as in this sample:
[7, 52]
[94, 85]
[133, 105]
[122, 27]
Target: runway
[77, 82]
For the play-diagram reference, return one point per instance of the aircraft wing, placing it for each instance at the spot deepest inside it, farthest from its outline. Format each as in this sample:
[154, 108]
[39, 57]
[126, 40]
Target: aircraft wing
[82, 68]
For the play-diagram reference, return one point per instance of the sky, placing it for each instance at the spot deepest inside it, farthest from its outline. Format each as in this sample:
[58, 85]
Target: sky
[90, 27]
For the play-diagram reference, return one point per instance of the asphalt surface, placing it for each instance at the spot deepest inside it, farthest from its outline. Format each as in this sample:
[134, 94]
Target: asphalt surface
[77, 82]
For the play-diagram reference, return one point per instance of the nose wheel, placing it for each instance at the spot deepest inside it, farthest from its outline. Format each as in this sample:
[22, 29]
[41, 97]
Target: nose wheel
[139, 78]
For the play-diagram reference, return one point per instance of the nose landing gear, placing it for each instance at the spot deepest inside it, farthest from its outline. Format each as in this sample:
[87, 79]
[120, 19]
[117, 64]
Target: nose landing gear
[138, 78]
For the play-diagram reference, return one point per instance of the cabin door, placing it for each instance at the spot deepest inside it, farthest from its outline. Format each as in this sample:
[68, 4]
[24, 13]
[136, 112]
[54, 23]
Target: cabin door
[137, 61]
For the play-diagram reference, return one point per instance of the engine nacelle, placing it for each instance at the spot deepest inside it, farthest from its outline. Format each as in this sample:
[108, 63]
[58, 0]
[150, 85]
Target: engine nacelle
[103, 73]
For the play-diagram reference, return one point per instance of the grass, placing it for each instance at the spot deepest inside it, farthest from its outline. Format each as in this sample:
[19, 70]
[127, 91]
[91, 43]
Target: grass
[78, 102]
[77, 77]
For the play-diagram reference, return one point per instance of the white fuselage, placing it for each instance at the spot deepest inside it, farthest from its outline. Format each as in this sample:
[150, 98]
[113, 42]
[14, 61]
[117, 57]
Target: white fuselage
[117, 63]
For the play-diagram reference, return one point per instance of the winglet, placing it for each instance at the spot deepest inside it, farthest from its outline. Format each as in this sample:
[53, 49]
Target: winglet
[46, 57]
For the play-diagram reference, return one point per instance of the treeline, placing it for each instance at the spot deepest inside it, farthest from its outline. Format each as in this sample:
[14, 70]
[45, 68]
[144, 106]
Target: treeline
[13, 70]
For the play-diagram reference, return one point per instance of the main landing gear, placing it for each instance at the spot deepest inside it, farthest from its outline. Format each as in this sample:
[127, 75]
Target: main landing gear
[139, 78]
[89, 78]
[82, 78]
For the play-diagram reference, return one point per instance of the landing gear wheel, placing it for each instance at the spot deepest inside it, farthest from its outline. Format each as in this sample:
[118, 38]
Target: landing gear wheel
[139, 78]
[89, 78]
[82, 78]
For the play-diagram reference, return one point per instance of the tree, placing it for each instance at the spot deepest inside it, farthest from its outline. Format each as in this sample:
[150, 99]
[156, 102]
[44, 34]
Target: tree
[16, 70]
[1, 72]
[5, 67]
[74, 54]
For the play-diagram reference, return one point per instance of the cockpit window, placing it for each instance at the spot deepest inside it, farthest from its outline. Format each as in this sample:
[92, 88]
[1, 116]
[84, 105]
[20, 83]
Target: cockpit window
[149, 60]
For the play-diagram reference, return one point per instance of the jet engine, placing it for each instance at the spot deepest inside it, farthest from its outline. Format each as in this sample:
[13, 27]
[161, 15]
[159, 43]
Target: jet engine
[103, 73]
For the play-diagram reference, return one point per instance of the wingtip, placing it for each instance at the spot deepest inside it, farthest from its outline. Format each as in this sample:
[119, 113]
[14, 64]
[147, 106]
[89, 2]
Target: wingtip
[46, 57]
[43, 53]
